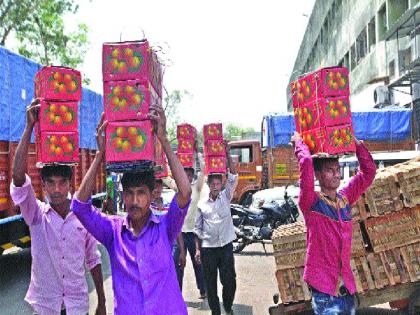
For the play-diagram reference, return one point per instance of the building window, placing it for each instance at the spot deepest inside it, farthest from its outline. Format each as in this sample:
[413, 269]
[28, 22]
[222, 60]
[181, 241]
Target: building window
[396, 9]
[361, 46]
[372, 34]
[353, 57]
[391, 69]
[382, 24]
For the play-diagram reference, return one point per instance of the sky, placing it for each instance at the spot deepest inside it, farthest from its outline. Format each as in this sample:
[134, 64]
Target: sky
[234, 57]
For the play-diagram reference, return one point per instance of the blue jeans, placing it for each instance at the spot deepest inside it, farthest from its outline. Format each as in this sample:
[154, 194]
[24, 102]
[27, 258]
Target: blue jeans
[325, 304]
[189, 244]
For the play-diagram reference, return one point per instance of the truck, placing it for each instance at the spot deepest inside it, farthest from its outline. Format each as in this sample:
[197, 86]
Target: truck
[16, 91]
[270, 162]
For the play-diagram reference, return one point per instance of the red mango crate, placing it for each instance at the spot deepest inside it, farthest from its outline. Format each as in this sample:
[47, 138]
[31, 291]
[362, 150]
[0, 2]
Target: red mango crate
[57, 147]
[325, 82]
[186, 145]
[131, 60]
[128, 100]
[332, 140]
[58, 116]
[215, 148]
[213, 132]
[186, 131]
[186, 159]
[58, 84]
[323, 112]
[130, 141]
[215, 164]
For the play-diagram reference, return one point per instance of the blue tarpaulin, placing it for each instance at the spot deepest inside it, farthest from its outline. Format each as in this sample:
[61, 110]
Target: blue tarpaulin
[391, 125]
[17, 90]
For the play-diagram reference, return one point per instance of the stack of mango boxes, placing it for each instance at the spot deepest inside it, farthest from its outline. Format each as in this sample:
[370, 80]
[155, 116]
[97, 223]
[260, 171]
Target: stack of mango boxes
[322, 111]
[57, 138]
[132, 83]
[186, 135]
[214, 148]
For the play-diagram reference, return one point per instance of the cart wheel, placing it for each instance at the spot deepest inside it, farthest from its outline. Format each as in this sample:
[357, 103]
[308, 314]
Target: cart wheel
[414, 304]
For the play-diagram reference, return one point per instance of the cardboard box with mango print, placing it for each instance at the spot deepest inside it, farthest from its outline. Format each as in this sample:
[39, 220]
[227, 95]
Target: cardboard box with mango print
[130, 61]
[58, 84]
[326, 82]
[57, 147]
[130, 141]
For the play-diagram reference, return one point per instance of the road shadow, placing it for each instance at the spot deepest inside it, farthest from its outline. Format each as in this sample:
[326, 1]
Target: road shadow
[254, 253]
[237, 308]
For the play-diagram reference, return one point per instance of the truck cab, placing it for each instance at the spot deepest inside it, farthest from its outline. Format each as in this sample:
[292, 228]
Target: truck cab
[248, 157]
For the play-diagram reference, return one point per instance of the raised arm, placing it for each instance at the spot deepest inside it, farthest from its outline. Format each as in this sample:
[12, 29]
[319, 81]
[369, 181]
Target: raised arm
[307, 195]
[201, 177]
[21, 189]
[184, 187]
[88, 183]
[97, 223]
[19, 162]
[360, 182]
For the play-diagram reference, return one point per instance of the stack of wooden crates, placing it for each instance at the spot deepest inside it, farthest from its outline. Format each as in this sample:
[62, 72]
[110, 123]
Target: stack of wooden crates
[386, 237]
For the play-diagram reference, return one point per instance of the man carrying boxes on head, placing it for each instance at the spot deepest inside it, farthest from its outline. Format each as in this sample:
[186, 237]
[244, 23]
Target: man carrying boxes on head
[214, 226]
[60, 246]
[327, 214]
[140, 245]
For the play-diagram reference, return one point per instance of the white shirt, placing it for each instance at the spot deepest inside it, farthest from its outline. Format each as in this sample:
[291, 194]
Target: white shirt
[213, 224]
[196, 187]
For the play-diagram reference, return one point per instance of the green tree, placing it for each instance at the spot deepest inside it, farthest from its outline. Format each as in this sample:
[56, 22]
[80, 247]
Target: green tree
[170, 104]
[232, 130]
[39, 29]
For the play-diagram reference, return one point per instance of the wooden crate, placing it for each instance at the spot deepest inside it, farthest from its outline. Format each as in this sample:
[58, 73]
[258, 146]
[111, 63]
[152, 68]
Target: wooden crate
[408, 176]
[362, 274]
[394, 229]
[411, 260]
[383, 196]
[292, 287]
[289, 244]
[359, 211]
[358, 246]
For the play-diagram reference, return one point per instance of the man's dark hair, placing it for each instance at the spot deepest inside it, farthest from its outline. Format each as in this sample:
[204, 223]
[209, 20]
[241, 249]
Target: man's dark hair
[48, 171]
[159, 181]
[189, 169]
[212, 177]
[319, 163]
[137, 179]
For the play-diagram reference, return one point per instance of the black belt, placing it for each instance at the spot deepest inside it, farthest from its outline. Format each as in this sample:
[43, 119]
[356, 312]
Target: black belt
[342, 291]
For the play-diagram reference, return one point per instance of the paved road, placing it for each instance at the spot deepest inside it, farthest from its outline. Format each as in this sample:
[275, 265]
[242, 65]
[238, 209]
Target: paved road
[256, 285]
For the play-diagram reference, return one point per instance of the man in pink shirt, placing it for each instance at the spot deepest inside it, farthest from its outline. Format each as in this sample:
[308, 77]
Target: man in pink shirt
[61, 247]
[328, 220]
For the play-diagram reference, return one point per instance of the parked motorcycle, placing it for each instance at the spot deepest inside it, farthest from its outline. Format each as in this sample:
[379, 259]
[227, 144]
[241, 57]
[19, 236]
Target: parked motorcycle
[256, 225]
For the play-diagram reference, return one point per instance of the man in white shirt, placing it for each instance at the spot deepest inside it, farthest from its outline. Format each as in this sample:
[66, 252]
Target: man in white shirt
[215, 230]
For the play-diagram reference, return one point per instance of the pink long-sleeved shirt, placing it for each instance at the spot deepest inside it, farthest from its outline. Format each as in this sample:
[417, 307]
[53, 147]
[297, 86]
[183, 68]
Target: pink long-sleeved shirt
[329, 225]
[60, 248]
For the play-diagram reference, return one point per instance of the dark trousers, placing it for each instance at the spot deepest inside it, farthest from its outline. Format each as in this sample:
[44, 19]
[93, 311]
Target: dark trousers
[189, 244]
[219, 259]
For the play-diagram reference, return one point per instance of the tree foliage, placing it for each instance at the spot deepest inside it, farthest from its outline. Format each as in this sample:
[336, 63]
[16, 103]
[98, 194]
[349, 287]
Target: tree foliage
[39, 28]
[170, 104]
[232, 130]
